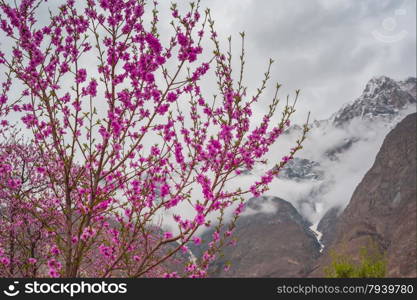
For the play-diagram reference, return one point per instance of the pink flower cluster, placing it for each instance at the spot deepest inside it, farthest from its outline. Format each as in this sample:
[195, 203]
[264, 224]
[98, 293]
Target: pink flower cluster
[114, 150]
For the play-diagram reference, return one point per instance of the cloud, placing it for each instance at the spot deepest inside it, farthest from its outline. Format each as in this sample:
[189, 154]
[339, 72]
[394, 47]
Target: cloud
[325, 48]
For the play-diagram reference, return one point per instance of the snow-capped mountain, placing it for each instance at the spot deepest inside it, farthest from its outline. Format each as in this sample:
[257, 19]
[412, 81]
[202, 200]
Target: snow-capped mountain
[341, 149]
[384, 102]
[382, 97]
[409, 85]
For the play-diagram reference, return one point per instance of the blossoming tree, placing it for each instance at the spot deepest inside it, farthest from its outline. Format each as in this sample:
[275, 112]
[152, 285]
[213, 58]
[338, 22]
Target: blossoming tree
[119, 138]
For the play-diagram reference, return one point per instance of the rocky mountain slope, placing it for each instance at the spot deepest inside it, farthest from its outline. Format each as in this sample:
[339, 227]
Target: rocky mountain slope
[326, 226]
[277, 243]
[382, 210]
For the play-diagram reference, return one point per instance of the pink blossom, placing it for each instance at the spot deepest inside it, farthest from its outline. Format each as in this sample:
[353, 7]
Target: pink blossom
[170, 275]
[200, 219]
[162, 109]
[182, 39]
[32, 260]
[171, 97]
[107, 156]
[55, 250]
[81, 76]
[5, 261]
[168, 235]
[136, 258]
[53, 273]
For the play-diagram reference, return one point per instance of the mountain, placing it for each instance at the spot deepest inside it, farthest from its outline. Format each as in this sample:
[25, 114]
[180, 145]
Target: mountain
[300, 169]
[383, 101]
[277, 243]
[409, 85]
[339, 150]
[382, 210]
[327, 224]
[382, 98]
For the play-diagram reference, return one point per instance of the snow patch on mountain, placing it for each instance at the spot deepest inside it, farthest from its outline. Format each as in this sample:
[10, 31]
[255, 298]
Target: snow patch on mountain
[318, 235]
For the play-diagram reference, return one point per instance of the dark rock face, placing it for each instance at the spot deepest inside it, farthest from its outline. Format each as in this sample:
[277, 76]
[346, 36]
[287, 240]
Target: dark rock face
[275, 244]
[333, 153]
[300, 169]
[327, 225]
[382, 209]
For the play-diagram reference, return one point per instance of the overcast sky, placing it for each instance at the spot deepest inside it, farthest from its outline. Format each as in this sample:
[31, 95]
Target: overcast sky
[327, 48]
